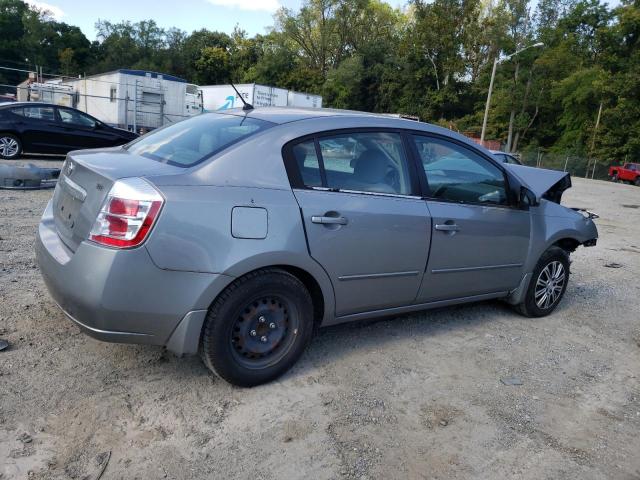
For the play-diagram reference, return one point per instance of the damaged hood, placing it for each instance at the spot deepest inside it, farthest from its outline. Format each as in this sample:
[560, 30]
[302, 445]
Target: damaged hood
[548, 184]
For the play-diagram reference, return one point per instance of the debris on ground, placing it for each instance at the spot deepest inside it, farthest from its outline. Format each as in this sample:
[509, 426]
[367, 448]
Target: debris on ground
[103, 460]
[511, 381]
[27, 177]
[3, 344]
[613, 265]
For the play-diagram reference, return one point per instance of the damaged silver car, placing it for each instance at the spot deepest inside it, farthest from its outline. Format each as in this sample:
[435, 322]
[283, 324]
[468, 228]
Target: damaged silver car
[235, 234]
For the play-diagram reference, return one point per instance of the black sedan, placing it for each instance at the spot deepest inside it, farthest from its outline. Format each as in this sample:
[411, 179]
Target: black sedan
[46, 128]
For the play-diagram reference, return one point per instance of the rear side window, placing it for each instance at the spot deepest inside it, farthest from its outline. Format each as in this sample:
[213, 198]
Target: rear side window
[191, 141]
[308, 163]
[361, 161]
[39, 113]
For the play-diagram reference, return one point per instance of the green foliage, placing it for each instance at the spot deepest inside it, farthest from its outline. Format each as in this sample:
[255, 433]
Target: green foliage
[431, 58]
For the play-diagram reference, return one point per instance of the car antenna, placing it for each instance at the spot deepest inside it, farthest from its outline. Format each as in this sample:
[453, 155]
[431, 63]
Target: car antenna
[247, 106]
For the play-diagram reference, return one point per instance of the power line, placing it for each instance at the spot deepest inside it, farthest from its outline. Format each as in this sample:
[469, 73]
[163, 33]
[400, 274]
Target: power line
[82, 79]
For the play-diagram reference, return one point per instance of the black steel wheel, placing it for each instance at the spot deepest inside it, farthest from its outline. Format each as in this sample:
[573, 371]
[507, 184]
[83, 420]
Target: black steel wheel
[264, 331]
[257, 328]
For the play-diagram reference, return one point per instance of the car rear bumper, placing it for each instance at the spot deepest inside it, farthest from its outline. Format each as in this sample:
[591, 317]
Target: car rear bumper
[120, 295]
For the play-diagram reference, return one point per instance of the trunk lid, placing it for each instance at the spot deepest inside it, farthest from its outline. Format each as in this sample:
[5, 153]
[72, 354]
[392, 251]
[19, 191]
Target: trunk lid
[85, 181]
[544, 183]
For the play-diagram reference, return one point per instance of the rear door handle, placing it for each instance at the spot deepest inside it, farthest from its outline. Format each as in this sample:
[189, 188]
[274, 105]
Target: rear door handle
[329, 220]
[446, 227]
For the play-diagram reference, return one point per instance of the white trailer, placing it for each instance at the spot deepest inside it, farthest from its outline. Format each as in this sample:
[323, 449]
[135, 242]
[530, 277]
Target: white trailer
[48, 92]
[306, 100]
[223, 97]
[136, 99]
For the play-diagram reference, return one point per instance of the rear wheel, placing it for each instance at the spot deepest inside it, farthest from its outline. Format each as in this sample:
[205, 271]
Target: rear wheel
[10, 146]
[258, 328]
[547, 285]
[637, 182]
[614, 178]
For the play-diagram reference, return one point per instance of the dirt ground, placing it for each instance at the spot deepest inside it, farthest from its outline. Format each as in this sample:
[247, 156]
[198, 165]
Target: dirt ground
[416, 397]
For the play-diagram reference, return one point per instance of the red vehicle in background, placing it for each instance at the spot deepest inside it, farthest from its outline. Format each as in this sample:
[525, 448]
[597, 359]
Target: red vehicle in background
[629, 172]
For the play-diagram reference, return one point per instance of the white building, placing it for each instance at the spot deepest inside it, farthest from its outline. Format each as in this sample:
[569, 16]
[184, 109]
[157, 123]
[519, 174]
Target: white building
[136, 99]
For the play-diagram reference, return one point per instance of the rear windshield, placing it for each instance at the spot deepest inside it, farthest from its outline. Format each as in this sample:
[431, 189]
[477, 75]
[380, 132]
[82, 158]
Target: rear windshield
[191, 141]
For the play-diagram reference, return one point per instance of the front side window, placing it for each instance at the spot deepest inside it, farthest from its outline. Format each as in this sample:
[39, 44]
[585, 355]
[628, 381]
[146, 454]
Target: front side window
[191, 141]
[364, 162]
[457, 174]
[74, 117]
[39, 113]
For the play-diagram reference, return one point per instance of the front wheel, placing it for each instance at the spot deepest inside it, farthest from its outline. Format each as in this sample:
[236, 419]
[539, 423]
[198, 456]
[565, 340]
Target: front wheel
[10, 146]
[257, 328]
[637, 182]
[548, 284]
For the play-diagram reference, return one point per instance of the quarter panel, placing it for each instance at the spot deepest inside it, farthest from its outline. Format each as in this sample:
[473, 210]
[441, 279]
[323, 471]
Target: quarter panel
[194, 233]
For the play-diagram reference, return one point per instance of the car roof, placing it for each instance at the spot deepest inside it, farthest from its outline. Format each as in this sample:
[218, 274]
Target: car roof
[282, 115]
[35, 104]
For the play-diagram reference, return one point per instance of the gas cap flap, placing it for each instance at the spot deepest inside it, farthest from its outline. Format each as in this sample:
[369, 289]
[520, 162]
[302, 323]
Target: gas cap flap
[249, 222]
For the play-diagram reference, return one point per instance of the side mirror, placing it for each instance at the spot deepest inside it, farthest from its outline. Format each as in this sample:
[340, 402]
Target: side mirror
[521, 195]
[527, 198]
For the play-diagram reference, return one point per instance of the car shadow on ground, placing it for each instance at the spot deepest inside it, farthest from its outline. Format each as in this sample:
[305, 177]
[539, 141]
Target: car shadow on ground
[332, 343]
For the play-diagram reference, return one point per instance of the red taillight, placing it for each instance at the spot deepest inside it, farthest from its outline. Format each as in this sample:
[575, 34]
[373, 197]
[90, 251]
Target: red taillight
[128, 214]
[120, 206]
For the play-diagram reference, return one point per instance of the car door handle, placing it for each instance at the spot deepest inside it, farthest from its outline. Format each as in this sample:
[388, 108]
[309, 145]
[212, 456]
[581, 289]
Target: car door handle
[329, 220]
[447, 227]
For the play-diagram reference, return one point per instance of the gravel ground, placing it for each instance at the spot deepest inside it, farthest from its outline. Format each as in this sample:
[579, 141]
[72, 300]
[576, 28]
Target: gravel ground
[417, 396]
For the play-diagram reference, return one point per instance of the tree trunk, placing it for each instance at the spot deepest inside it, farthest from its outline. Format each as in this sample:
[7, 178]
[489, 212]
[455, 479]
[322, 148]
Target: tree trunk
[525, 101]
[512, 117]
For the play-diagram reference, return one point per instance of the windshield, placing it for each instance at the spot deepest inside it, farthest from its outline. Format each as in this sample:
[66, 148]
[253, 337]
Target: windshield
[191, 141]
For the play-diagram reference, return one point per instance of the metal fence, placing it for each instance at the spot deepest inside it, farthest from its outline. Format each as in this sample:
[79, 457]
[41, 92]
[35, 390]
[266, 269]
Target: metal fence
[576, 165]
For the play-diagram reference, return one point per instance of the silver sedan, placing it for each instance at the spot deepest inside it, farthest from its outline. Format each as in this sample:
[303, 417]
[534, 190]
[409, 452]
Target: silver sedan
[236, 234]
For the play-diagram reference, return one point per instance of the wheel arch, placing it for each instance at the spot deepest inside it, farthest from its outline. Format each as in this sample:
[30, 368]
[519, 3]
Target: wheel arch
[568, 244]
[186, 336]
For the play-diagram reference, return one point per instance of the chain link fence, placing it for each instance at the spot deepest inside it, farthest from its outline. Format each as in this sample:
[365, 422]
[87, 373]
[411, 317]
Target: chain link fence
[576, 165]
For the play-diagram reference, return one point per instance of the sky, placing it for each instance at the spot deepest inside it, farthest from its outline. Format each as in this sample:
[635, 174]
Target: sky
[254, 16]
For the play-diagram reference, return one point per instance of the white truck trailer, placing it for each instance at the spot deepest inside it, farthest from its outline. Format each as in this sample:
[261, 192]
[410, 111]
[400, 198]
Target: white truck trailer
[306, 100]
[223, 97]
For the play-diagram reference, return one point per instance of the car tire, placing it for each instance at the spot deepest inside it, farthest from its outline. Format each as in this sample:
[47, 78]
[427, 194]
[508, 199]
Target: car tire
[257, 328]
[614, 178]
[548, 284]
[637, 182]
[10, 146]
